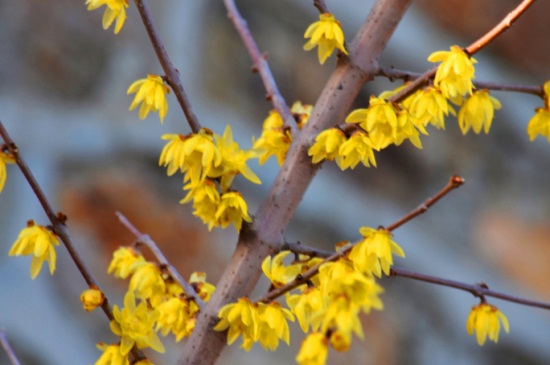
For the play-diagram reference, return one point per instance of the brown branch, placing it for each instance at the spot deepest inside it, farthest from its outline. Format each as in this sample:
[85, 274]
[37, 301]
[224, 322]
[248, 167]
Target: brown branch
[321, 6]
[265, 236]
[454, 182]
[58, 225]
[171, 75]
[163, 261]
[7, 348]
[260, 65]
[471, 49]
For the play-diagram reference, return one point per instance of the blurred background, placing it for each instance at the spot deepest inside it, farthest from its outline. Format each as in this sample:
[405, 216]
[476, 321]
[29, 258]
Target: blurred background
[63, 84]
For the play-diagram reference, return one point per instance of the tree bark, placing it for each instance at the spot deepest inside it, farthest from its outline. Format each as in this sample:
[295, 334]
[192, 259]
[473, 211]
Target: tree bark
[265, 235]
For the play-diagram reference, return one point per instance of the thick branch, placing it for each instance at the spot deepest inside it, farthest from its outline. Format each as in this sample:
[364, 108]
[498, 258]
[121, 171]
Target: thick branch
[264, 237]
[260, 65]
[171, 74]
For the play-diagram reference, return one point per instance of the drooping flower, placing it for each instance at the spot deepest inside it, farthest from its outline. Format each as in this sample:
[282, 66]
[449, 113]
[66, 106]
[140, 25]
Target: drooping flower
[5, 159]
[241, 318]
[91, 299]
[147, 282]
[274, 141]
[327, 35]
[314, 350]
[232, 209]
[206, 200]
[273, 325]
[277, 272]
[39, 242]
[485, 320]
[477, 112]
[431, 107]
[327, 145]
[151, 93]
[357, 148]
[111, 355]
[343, 316]
[455, 73]
[134, 324]
[177, 315]
[374, 254]
[123, 262]
[301, 113]
[114, 9]
[308, 307]
[539, 124]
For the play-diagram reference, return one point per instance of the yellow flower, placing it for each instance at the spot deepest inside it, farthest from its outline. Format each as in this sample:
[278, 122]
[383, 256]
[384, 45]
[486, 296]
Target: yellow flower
[38, 241]
[92, 298]
[455, 73]
[477, 112]
[134, 324]
[277, 272]
[147, 282]
[123, 262]
[233, 161]
[314, 350]
[274, 141]
[485, 319]
[357, 148]
[327, 145]
[232, 209]
[143, 362]
[374, 252]
[343, 316]
[177, 315]
[430, 106]
[115, 9]
[5, 158]
[206, 200]
[301, 113]
[111, 355]
[308, 307]
[327, 35]
[241, 318]
[539, 124]
[201, 286]
[273, 325]
[151, 93]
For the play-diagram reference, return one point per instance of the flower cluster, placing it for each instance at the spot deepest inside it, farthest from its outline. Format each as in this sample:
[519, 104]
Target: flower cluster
[38, 241]
[276, 138]
[485, 320]
[153, 303]
[209, 163]
[327, 35]
[114, 9]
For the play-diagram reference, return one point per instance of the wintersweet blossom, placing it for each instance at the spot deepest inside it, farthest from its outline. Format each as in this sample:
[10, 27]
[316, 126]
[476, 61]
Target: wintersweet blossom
[123, 262]
[301, 113]
[206, 200]
[343, 316]
[374, 254]
[314, 350]
[147, 282]
[485, 320]
[357, 148]
[39, 242]
[111, 355]
[455, 73]
[5, 159]
[177, 315]
[114, 9]
[92, 298]
[241, 318]
[273, 325]
[539, 124]
[276, 271]
[203, 288]
[431, 107]
[477, 112]
[151, 93]
[274, 141]
[134, 324]
[232, 209]
[308, 307]
[327, 145]
[327, 35]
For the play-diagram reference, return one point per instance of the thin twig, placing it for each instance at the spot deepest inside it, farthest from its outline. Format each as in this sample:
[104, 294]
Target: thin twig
[392, 74]
[471, 49]
[260, 65]
[7, 348]
[454, 182]
[58, 225]
[171, 74]
[163, 261]
[321, 6]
